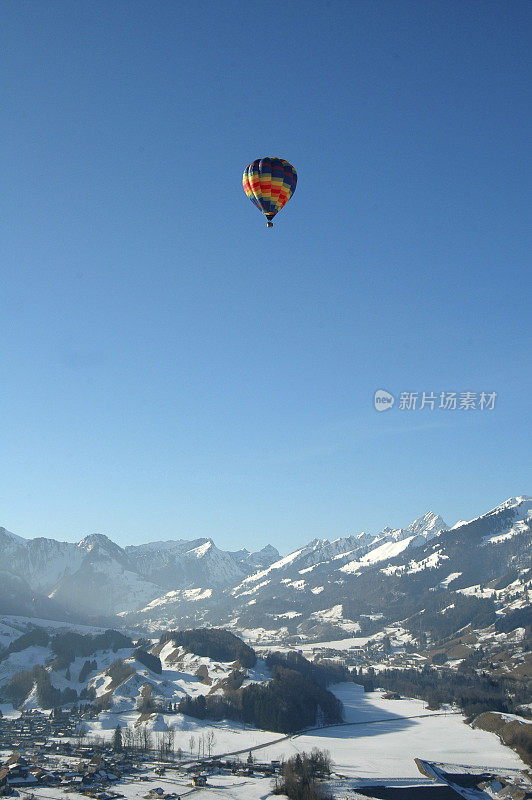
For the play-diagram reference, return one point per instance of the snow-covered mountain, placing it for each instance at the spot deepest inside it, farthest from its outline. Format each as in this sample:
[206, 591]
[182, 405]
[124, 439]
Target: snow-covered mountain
[259, 560]
[183, 564]
[334, 588]
[341, 553]
[327, 586]
[427, 526]
[97, 578]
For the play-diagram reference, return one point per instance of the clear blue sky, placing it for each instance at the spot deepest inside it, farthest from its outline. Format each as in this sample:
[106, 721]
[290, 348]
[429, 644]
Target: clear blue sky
[172, 368]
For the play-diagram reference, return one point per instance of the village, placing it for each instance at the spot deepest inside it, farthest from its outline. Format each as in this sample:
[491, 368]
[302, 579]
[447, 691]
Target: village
[39, 751]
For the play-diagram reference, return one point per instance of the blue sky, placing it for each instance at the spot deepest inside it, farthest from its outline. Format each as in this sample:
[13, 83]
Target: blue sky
[170, 367]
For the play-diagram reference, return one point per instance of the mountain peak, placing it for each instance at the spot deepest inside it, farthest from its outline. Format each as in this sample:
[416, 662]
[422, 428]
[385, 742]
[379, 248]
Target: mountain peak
[428, 522]
[99, 542]
[514, 502]
[12, 536]
[426, 526]
[520, 505]
[269, 549]
[204, 548]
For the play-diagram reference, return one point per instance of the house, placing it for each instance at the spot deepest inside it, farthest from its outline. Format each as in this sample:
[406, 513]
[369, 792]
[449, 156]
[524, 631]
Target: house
[391, 696]
[38, 773]
[19, 776]
[16, 770]
[16, 758]
[199, 780]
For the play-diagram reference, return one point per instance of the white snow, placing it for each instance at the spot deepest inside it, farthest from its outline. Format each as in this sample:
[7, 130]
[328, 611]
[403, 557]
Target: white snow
[388, 749]
[380, 741]
[192, 595]
[252, 590]
[299, 585]
[447, 608]
[381, 553]
[518, 527]
[449, 579]
[202, 549]
[336, 644]
[430, 562]
[335, 616]
[276, 565]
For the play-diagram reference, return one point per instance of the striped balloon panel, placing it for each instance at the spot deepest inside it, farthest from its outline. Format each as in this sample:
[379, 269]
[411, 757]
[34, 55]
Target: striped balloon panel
[269, 183]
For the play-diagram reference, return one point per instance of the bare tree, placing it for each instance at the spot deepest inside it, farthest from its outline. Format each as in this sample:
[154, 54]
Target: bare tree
[127, 738]
[191, 743]
[81, 733]
[211, 741]
[146, 738]
[170, 739]
[137, 738]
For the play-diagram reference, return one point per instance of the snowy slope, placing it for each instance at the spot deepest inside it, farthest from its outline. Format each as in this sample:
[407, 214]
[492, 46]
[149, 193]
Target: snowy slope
[185, 583]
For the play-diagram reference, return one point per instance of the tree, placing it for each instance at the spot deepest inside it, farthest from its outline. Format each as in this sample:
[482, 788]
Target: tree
[148, 659]
[117, 739]
[127, 738]
[215, 643]
[169, 740]
[145, 738]
[211, 741]
[298, 776]
[191, 743]
[81, 733]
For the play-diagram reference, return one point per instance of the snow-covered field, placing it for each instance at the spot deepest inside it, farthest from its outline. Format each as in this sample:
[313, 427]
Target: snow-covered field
[363, 753]
[368, 749]
[308, 649]
[228, 786]
[379, 743]
[388, 749]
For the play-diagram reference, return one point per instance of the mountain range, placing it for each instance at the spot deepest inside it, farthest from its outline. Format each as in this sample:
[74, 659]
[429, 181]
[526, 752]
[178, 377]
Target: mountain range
[326, 588]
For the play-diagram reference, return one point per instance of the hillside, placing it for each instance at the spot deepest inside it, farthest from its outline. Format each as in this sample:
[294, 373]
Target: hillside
[427, 578]
[205, 673]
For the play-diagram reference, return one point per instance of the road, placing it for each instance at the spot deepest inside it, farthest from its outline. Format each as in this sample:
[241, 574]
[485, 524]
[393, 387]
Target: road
[306, 731]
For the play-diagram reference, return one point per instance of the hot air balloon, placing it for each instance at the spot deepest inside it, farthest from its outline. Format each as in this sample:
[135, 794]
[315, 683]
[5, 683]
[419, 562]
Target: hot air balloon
[269, 183]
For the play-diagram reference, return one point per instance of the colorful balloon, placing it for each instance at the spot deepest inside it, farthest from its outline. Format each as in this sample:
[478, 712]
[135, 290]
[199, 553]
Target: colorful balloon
[269, 183]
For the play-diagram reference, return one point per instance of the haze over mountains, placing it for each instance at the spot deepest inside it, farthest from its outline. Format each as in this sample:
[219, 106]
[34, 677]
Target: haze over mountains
[97, 577]
[324, 588]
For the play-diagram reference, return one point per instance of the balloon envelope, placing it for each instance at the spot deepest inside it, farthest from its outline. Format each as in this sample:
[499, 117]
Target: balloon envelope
[269, 183]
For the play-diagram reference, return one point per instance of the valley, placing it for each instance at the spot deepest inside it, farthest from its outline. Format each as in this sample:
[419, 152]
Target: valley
[413, 644]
